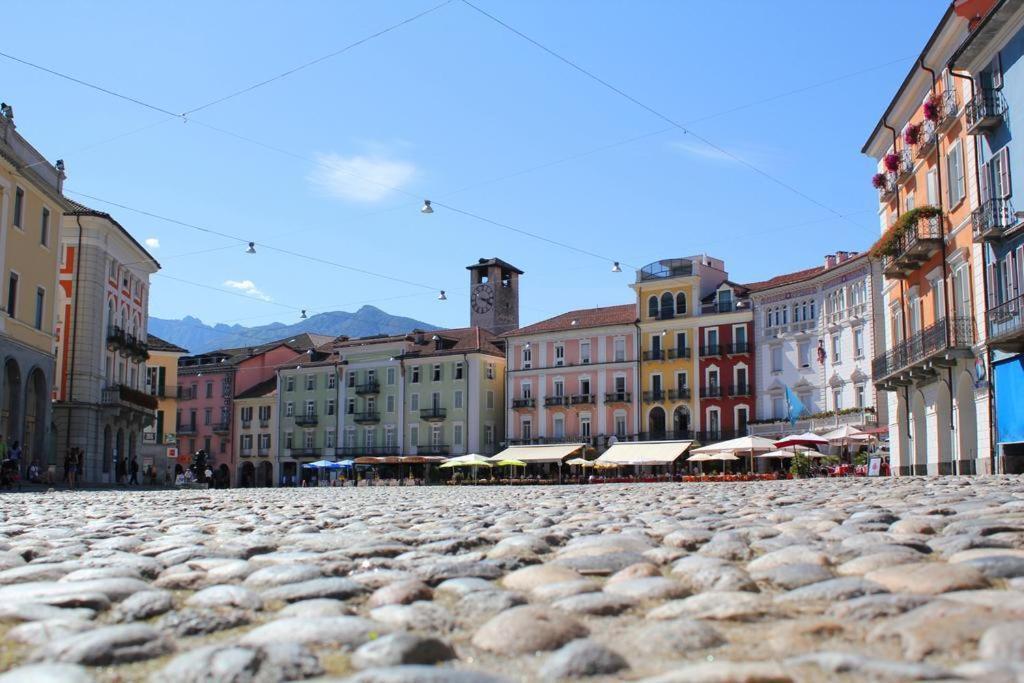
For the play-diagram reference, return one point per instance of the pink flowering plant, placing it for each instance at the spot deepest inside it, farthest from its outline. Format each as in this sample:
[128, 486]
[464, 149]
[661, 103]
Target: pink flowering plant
[892, 162]
[878, 181]
[912, 134]
[930, 108]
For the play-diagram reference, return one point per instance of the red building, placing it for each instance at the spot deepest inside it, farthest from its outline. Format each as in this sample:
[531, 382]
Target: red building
[726, 363]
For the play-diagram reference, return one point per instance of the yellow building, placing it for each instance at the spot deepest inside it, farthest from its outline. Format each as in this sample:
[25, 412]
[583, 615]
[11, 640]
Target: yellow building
[667, 292]
[161, 382]
[31, 206]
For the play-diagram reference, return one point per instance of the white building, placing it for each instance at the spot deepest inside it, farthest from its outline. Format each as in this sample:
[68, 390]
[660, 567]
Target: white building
[816, 331]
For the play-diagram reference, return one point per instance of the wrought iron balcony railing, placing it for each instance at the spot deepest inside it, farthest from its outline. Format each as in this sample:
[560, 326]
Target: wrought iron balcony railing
[993, 219]
[920, 349]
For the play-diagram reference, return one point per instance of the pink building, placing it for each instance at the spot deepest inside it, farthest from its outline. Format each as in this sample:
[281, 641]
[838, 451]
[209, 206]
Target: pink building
[208, 383]
[573, 378]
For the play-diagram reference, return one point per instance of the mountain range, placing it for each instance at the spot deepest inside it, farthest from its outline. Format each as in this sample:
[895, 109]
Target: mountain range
[193, 334]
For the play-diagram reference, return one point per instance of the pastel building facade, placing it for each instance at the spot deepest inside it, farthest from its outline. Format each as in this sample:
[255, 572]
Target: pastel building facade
[307, 391]
[816, 332]
[30, 208]
[161, 384]
[574, 378]
[933, 270]
[726, 366]
[992, 54]
[101, 403]
[256, 429]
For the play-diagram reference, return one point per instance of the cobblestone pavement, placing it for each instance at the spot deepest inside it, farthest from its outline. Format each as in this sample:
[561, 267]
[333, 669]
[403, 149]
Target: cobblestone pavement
[896, 579]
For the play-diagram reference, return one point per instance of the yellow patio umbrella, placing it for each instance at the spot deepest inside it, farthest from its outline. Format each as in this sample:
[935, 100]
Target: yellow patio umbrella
[582, 462]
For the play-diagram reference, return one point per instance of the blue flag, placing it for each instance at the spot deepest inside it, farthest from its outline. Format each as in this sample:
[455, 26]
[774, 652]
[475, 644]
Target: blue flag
[796, 407]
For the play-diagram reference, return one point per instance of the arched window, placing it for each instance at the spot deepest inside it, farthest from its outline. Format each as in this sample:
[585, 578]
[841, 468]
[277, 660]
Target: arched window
[667, 305]
[681, 303]
[652, 307]
[111, 320]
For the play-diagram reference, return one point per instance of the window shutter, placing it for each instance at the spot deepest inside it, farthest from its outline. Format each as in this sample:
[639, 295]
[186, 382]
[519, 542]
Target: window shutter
[983, 176]
[997, 73]
[993, 298]
[1004, 172]
[1020, 267]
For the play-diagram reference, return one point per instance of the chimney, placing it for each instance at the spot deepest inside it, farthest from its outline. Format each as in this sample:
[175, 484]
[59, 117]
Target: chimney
[842, 256]
[830, 261]
[252, 350]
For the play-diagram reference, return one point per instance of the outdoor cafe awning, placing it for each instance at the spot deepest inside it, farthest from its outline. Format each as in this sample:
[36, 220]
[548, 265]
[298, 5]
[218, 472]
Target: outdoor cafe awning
[645, 452]
[540, 454]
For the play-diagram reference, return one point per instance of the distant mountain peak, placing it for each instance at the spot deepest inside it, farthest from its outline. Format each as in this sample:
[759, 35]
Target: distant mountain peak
[193, 334]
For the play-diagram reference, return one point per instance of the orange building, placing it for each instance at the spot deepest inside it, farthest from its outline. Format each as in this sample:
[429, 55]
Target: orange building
[927, 184]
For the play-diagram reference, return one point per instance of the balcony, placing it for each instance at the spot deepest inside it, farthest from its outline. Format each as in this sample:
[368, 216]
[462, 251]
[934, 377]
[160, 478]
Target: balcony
[736, 349]
[1005, 326]
[524, 402]
[679, 353]
[246, 424]
[367, 451]
[948, 108]
[654, 355]
[912, 249]
[619, 397]
[116, 338]
[740, 390]
[366, 417]
[245, 452]
[906, 167]
[304, 452]
[546, 440]
[264, 423]
[711, 391]
[888, 189]
[263, 451]
[711, 350]
[985, 112]
[668, 435]
[929, 138]
[554, 401]
[434, 449]
[186, 429]
[307, 419]
[680, 394]
[221, 427]
[368, 388]
[126, 397]
[919, 357]
[668, 268]
[992, 220]
[434, 414]
[185, 394]
[581, 399]
[655, 396]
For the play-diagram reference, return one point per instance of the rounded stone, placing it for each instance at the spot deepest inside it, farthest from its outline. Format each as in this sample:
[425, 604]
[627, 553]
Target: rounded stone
[344, 632]
[1003, 642]
[400, 593]
[226, 596]
[105, 646]
[529, 578]
[928, 578]
[401, 648]
[582, 658]
[650, 588]
[233, 664]
[526, 629]
[281, 574]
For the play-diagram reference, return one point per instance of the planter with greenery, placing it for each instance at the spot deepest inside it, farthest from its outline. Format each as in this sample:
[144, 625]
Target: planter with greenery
[878, 181]
[889, 244]
[912, 134]
[892, 162]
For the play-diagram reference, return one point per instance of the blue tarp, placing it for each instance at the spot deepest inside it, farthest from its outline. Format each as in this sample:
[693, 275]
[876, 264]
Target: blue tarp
[1009, 387]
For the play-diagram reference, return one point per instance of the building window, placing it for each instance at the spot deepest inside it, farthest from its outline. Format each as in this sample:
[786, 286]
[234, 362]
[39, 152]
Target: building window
[527, 390]
[490, 400]
[208, 444]
[584, 351]
[414, 402]
[559, 355]
[209, 390]
[620, 425]
[207, 416]
[390, 404]
[681, 303]
[436, 373]
[837, 399]
[558, 425]
[19, 206]
[858, 394]
[12, 294]
[776, 359]
[837, 341]
[778, 408]
[457, 399]
[289, 409]
[804, 351]
[955, 173]
[457, 435]
[44, 228]
[527, 358]
[668, 306]
[490, 371]
[415, 379]
[458, 370]
[350, 407]
[585, 425]
[858, 343]
[264, 442]
[329, 439]
[310, 382]
[652, 307]
[742, 417]
[330, 406]
[308, 439]
[527, 429]
[488, 435]
[391, 375]
[331, 378]
[351, 380]
[40, 305]
[620, 350]
[558, 387]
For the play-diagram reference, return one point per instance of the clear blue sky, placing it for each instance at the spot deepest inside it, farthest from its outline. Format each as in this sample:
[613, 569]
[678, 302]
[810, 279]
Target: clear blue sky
[451, 101]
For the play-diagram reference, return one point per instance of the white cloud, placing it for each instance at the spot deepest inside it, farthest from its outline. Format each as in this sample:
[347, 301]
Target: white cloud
[698, 149]
[247, 287]
[152, 243]
[359, 178]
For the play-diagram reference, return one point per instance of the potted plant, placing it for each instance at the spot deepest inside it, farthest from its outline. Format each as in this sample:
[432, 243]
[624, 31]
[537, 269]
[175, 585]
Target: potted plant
[930, 108]
[878, 181]
[892, 162]
[912, 134]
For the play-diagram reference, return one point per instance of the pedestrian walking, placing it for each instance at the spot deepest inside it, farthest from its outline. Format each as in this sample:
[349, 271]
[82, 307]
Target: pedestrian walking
[133, 470]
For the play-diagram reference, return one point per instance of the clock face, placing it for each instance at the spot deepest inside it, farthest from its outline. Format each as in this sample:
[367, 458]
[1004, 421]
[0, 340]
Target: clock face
[482, 298]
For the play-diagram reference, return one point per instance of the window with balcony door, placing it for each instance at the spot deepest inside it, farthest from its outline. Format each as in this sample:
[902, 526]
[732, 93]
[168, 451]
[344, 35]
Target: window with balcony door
[457, 435]
[778, 408]
[329, 407]
[415, 379]
[458, 370]
[247, 414]
[350, 406]
[370, 437]
[714, 422]
[668, 305]
[742, 418]
[837, 345]
[681, 303]
[289, 440]
[858, 343]
[656, 384]
[209, 390]
[527, 390]
[310, 382]
[391, 376]
[740, 378]
[457, 399]
[858, 395]
[527, 358]
[909, 202]
[724, 300]
[652, 307]
[584, 352]
[329, 438]
[389, 437]
[435, 374]
[739, 337]
[620, 384]
[776, 359]
[527, 428]
[681, 382]
[896, 322]
[711, 339]
[436, 435]
[351, 381]
[289, 409]
[264, 442]
[585, 425]
[585, 386]
[558, 387]
[371, 405]
[962, 291]
[620, 425]
[389, 403]
[620, 350]
[207, 416]
[331, 378]
[558, 426]
[655, 346]
[712, 378]
[559, 355]
[680, 344]
[995, 176]
[837, 399]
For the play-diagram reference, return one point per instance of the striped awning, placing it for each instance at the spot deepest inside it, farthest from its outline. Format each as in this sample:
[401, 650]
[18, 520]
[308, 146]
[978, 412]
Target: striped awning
[540, 454]
[645, 452]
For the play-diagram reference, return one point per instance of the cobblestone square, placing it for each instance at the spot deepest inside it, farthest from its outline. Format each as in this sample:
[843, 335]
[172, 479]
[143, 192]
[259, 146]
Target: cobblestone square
[807, 580]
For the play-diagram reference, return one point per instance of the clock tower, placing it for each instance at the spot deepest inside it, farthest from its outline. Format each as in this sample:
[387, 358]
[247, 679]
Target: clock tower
[494, 295]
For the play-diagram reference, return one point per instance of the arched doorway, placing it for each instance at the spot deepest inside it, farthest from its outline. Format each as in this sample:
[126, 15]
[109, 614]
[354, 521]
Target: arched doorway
[10, 402]
[34, 437]
[681, 422]
[223, 477]
[904, 458]
[656, 422]
[118, 450]
[966, 424]
[919, 431]
[247, 475]
[944, 428]
[108, 450]
[265, 474]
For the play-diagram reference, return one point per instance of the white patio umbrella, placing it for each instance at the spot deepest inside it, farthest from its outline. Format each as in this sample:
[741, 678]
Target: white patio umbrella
[745, 445]
[845, 433]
